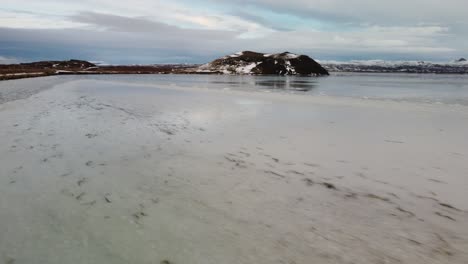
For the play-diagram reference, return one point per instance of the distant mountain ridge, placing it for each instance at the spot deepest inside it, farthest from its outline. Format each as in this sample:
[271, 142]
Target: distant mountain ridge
[249, 62]
[459, 66]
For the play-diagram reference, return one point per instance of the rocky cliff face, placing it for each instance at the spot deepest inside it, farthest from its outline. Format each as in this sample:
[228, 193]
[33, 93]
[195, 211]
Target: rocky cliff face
[248, 62]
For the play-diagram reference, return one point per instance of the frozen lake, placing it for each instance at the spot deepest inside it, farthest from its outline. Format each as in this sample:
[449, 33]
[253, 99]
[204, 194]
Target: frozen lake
[429, 88]
[229, 169]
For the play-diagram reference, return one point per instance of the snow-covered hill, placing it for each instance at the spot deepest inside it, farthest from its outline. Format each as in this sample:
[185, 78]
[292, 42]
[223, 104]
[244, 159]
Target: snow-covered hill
[248, 62]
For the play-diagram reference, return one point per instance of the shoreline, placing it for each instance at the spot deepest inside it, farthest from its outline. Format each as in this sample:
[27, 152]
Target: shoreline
[6, 74]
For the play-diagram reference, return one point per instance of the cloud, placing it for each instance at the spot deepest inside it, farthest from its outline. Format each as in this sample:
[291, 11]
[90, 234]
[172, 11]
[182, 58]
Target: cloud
[119, 23]
[157, 31]
[115, 39]
[258, 20]
[8, 60]
[24, 19]
[143, 25]
[421, 42]
[141, 41]
[395, 12]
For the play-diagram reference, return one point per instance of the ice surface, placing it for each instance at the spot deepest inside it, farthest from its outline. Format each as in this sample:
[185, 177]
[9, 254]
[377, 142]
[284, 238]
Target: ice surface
[179, 169]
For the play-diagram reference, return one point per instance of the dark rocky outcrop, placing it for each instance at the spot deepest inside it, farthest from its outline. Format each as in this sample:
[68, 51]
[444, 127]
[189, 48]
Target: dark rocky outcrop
[249, 62]
[43, 68]
[72, 67]
[70, 64]
[46, 66]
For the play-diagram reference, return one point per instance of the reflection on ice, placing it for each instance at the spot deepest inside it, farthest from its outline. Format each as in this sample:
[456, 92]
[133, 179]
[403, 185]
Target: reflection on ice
[286, 84]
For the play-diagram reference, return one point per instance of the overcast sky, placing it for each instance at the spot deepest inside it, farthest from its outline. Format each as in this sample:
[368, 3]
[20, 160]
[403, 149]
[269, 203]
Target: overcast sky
[196, 31]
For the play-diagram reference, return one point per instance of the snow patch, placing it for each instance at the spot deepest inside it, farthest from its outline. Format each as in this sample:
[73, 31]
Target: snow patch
[237, 54]
[289, 68]
[22, 73]
[247, 69]
[291, 56]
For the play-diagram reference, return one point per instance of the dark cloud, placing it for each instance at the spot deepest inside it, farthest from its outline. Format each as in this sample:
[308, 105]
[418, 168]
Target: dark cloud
[120, 23]
[117, 40]
[142, 25]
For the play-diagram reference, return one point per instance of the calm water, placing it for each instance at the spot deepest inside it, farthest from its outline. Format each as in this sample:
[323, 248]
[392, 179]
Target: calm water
[448, 89]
